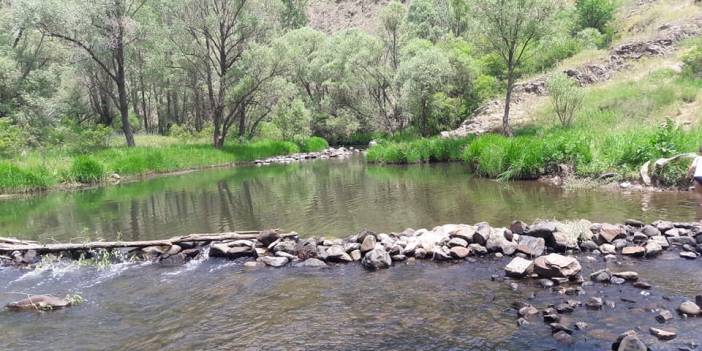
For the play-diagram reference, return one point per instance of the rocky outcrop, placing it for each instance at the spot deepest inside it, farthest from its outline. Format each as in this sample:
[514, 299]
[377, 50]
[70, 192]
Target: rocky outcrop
[488, 117]
[331, 152]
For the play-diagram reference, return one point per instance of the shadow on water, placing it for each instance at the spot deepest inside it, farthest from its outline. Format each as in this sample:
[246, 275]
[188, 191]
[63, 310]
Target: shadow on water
[329, 198]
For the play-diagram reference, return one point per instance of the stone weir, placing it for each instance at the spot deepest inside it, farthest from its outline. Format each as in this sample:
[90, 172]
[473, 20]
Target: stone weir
[546, 251]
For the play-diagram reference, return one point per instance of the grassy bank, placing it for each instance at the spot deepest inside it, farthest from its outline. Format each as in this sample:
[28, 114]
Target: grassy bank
[620, 126]
[39, 170]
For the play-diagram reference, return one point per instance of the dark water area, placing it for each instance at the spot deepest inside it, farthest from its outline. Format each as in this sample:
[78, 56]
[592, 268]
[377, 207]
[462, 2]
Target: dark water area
[321, 198]
[222, 305]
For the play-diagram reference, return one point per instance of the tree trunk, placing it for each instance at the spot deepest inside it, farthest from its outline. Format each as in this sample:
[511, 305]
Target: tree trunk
[506, 128]
[122, 91]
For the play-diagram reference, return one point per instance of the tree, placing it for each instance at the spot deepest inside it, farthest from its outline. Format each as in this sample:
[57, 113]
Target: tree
[566, 97]
[102, 30]
[511, 26]
[594, 14]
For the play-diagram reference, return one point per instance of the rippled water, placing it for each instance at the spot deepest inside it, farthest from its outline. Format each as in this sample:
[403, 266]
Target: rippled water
[221, 305]
[324, 198]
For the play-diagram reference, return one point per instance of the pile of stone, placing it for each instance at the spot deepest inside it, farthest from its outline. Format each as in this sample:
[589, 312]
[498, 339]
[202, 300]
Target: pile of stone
[325, 154]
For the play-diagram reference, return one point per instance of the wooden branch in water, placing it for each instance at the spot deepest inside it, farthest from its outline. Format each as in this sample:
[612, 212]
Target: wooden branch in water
[46, 248]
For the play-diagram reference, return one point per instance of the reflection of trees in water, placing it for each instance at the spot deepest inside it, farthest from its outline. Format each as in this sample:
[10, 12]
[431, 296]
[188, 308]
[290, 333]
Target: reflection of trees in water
[318, 198]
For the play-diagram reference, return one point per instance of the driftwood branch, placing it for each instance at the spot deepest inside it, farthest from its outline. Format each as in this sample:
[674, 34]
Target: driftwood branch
[10, 245]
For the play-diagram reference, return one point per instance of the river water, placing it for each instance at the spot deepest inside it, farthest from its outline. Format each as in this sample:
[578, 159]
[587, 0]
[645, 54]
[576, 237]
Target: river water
[222, 305]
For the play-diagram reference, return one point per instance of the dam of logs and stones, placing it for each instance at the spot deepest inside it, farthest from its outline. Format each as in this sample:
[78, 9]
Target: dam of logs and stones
[544, 251]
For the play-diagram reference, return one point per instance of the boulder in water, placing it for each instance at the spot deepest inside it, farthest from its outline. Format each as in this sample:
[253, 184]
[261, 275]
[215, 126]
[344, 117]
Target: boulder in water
[39, 303]
[376, 259]
[555, 266]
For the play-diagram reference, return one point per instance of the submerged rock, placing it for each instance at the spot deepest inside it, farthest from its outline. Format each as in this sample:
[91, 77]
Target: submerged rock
[39, 302]
[311, 262]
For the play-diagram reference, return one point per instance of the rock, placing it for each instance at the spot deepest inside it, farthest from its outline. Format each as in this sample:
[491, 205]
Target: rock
[522, 322]
[663, 226]
[430, 239]
[267, 237]
[274, 261]
[601, 276]
[531, 246]
[420, 253]
[629, 341]
[689, 308]
[642, 285]
[662, 334]
[368, 243]
[688, 255]
[698, 300]
[518, 227]
[356, 255]
[558, 327]
[311, 262]
[457, 242]
[563, 337]
[588, 245]
[543, 230]
[225, 251]
[608, 249]
[634, 223]
[650, 231]
[608, 233]
[594, 303]
[528, 311]
[291, 247]
[251, 264]
[304, 249]
[498, 243]
[635, 251]
[664, 316]
[398, 258]
[652, 249]
[564, 308]
[482, 233]
[39, 302]
[617, 281]
[630, 276]
[555, 265]
[478, 249]
[336, 253]
[460, 252]
[581, 325]
[377, 258]
[546, 283]
[552, 317]
[682, 240]
[519, 267]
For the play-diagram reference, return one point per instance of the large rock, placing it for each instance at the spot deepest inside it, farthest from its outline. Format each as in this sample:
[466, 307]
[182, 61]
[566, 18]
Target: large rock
[377, 258]
[519, 267]
[268, 237]
[460, 252]
[609, 232]
[482, 234]
[556, 266]
[311, 262]
[462, 231]
[635, 251]
[336, 253]
[531, 246]
[497, 242]
[543, 230]
[662, 334]
[629, 341]
[689, 308]
[368, 243]
[652, 248]
[429, 239]
[39, 302]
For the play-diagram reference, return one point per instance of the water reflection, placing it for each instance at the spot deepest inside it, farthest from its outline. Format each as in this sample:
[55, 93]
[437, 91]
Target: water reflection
[317, 198]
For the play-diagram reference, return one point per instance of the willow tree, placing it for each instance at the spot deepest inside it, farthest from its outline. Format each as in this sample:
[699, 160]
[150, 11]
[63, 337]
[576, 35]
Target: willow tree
[102, 30]
[510, 27]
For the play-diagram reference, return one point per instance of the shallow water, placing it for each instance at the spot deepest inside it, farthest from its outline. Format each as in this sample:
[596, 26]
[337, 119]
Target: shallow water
[221, 305]
[321, 198]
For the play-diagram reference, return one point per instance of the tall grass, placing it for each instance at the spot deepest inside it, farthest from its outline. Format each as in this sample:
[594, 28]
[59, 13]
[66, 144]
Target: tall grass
[418, 150]
[41, 170]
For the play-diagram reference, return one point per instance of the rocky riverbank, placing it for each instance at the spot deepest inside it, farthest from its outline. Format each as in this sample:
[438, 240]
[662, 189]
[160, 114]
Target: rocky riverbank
[325, 154]
[546, 253]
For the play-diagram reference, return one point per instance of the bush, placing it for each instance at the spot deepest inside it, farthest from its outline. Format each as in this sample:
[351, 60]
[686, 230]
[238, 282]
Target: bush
[12, 138]
[692, 63]
[591, 38]
[87, 170]
[594, 14]
[418, 150]
[674, 174]
[566, 97]
[313, 144]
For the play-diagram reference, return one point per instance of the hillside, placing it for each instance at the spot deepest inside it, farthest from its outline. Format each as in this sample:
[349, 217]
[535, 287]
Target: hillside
[331, 16]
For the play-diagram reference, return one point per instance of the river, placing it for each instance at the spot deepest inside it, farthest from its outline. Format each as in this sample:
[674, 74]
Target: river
[222, 305]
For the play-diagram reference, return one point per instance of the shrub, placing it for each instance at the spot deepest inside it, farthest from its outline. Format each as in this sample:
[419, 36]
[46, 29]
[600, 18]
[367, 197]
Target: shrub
[12, 138]
[566, 97]
[692, 62]
[674, 174]
[87, 170]
[313, 144]
[594, 13]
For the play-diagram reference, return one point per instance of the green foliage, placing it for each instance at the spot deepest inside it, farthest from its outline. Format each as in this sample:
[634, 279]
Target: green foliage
[692, 62]
[417, 150]
[12, 138]
[566, 98]
[313, 144]
[594, 14]
[674, 174]
[293, 120]
[85, 169]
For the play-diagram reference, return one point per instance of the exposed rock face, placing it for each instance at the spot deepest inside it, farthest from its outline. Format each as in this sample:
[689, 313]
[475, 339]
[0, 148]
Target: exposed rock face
[39, 302]
[519, 267]
[555, 265]
[376, 259]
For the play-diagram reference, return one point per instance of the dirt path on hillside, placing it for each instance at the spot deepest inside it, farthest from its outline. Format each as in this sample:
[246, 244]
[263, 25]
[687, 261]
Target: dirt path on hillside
[529, 95]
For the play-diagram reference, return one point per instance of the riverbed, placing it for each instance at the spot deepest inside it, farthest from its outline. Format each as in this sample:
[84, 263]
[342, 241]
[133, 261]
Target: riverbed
[221, 304]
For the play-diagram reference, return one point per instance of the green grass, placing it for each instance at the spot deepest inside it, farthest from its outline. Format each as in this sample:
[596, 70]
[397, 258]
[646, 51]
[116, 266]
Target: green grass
[620, 126]
[39, 170]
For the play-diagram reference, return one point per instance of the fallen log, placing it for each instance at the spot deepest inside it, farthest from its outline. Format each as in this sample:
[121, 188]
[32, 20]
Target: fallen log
[14, 241]
[58, 247]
